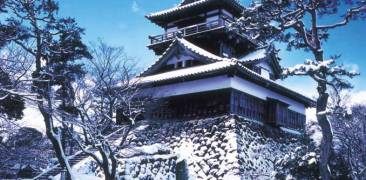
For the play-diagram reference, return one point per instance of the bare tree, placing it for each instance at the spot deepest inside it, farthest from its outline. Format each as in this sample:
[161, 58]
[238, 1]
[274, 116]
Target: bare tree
[349, 124]
[108, 86]
[112, 71]
[297, 23]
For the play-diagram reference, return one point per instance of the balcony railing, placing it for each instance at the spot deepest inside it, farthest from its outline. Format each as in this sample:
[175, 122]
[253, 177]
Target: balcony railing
[190, 30]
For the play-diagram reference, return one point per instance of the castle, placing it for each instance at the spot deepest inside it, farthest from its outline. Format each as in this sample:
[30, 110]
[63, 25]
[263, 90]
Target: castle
[204, 69]
[221, 114]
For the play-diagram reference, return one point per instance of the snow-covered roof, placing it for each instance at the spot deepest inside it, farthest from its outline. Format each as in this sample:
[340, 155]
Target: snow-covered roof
[187, 72]
[177, 8]
[255, 55]
[219, 67]
[188, 5]
[267, 52]
[188, 46]
[199, 50]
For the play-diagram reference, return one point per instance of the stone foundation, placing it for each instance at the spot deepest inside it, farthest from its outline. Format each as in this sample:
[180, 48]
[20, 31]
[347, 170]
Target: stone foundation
[226, 147]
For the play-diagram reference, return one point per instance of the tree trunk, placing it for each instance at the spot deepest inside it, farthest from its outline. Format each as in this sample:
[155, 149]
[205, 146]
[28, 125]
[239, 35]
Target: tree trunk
[56, 143]
[326, 143]
[52, 134]
[106, 166]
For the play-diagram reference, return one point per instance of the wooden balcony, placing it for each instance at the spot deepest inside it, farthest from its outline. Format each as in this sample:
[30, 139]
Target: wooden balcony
[190, 30]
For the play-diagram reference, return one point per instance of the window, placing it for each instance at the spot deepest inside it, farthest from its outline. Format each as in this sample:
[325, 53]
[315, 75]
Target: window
[179, 65]
[167, 67]
[248, 106]
[256, 69]
[189, 63]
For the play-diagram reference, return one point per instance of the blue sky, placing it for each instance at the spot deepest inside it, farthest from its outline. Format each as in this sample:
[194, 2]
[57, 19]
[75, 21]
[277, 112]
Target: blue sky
[122, 23]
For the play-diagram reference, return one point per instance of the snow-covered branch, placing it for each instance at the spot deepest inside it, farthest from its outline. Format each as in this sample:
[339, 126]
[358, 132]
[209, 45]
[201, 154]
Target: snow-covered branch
[347, 17]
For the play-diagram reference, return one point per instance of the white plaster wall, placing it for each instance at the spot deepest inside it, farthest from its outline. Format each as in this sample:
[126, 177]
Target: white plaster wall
[215, 83]
[175, 59]
[263, 93]
[265, 65]
[222, 82]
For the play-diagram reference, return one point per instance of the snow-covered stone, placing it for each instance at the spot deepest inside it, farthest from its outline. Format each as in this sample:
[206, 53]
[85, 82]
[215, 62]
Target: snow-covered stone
[235, 149]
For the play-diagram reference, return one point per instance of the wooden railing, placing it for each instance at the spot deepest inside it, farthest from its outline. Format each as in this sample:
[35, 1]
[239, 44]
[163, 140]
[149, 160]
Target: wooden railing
[190, 30]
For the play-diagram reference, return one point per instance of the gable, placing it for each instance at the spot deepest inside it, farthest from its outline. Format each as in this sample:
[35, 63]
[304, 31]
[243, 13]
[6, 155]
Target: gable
[181, 54]
[264, 61]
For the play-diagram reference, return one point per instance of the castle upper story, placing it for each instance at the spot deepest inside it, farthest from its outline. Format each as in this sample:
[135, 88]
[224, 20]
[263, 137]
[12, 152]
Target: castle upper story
[206, 23]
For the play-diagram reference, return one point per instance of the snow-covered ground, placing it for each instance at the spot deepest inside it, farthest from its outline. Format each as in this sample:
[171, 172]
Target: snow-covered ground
[32, 118]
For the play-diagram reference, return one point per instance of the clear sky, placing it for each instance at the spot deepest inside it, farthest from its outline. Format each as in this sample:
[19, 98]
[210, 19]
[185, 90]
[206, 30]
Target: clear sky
[122, 23]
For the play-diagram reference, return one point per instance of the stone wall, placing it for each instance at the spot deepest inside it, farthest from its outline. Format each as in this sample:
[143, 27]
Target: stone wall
[208, 146]
[259, 147]
[159, 167]
[226, 147]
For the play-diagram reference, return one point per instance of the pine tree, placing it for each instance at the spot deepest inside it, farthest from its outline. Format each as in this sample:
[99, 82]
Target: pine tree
[11, 105]
[297, 23]
[57, 45]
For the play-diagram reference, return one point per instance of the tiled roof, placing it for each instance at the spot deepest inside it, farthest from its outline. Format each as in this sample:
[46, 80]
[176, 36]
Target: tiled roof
[189, 46]
[177, 8]
[218, 66]
[218, 63]
[183, 6]
[188, 71]
[199, 50]
[255, 55]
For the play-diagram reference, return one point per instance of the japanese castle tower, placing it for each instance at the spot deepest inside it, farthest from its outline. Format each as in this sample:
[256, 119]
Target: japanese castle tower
[206, 70]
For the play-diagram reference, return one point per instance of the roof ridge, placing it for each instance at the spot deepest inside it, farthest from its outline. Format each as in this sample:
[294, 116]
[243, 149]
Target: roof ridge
[200, 50]
[180, 6]
[188, 71]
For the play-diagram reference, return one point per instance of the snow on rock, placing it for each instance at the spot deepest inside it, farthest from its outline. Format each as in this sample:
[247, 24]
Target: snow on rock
[85, 169]
[260, 147]
[148, 167]
[226, 147]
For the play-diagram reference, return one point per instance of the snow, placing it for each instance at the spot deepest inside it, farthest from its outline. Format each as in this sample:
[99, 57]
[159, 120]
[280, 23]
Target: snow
[181, 7]
[255, 55]
[291, 131]
[190, 47]
[186, 150]
[152, 149]
[178, 8]
[82, 170]
[187, 72]
[32, 118]
[313, 129]
[309, 66]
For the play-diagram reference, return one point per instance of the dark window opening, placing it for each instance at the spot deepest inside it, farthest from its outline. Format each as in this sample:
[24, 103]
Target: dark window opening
[179, 65]
[167, 67]
[272, 77]
[256, 69]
